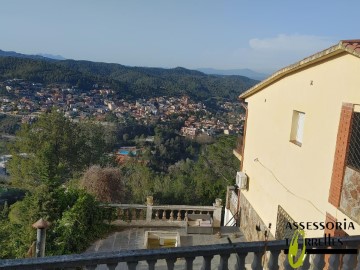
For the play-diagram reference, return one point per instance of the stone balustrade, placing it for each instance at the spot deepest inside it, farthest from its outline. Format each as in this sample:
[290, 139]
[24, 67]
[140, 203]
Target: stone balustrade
[233, 201]
[231, 207]
[162, 215]
[228, 256]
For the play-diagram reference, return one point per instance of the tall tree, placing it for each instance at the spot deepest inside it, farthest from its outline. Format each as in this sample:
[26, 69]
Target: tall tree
[53, 150]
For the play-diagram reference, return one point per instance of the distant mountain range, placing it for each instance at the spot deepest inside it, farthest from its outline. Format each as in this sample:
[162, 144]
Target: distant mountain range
[128, 82]
[51, 56]
[242, 72]
[20, 55]
[40, 56]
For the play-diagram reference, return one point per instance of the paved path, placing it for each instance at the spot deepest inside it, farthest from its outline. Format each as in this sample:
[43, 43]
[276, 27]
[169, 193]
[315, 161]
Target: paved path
[133, 238]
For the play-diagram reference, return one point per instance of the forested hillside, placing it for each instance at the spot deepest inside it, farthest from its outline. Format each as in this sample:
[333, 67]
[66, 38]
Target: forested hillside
[129, 82]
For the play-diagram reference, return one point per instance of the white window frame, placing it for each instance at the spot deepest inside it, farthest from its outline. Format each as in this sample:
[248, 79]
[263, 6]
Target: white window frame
[297, 128]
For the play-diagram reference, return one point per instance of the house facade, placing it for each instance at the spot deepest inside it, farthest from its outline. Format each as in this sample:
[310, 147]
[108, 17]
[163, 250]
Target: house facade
[301, 148]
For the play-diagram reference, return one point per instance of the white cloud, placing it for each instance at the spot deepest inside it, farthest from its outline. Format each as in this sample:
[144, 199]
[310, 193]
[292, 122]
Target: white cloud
[266, 54]
[271, 54]
[294, 43]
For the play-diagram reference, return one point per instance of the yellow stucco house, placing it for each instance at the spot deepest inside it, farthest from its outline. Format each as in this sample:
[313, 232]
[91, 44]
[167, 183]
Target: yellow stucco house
[301, 147]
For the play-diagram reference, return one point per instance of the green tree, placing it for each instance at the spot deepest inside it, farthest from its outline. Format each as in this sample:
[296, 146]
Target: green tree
[76, 220]
[53, 150]
[82, 223]
[139, 180]
[44, 152]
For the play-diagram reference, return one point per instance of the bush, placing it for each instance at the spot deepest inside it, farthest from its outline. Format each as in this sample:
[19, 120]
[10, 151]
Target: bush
[106, 184]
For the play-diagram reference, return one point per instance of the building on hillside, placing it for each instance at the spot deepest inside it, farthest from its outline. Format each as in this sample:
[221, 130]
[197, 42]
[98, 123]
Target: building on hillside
[300, 156]
[188, 131]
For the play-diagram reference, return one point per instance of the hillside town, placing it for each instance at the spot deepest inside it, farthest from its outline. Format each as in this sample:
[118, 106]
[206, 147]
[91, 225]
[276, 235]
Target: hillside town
[27, 99]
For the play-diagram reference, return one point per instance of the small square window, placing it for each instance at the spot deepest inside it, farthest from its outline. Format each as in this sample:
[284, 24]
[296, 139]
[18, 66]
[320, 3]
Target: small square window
[297, 128]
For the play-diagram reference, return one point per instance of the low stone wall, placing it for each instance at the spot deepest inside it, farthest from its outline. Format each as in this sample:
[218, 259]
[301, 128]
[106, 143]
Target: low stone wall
[350, 194]
[250, 222]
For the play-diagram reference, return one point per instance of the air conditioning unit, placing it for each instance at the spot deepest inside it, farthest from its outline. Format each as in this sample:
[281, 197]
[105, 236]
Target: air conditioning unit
[241, 180]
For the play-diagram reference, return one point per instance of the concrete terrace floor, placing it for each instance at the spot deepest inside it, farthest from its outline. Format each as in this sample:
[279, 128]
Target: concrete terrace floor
[130, 238]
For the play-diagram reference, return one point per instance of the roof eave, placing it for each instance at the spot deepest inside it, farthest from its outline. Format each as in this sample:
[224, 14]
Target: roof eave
[320, 56]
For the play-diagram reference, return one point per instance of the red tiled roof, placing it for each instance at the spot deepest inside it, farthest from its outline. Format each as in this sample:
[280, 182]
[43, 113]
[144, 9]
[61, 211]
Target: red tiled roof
[349, 46]
[353, 45]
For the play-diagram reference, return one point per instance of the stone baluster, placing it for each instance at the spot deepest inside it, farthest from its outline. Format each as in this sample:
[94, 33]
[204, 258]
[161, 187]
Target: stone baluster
[273, 263]
[179, 216]
[334, 262]
[132, 265]
[317, 262]
[163, 215]
[90, 267]
[256, 264]
[358, 260]
[157, 215]
[207, 263]
[172, 215]
[189, 263]
[151, 264]
[133, 214]
[306, 263]
[286, 264]
[170, 263]
[349, 262]
[141, 214]
[240, 261]
[112, 266]
[186, 215]
[126, 213]
[224, 260]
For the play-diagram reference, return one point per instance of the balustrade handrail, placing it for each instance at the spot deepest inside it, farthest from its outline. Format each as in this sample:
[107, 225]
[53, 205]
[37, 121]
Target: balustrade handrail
[157, 254]
[126, 206]
[162, 207]
[183, 207]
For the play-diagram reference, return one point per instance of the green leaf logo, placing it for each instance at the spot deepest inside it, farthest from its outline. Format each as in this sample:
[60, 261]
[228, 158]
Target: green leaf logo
[293, 250]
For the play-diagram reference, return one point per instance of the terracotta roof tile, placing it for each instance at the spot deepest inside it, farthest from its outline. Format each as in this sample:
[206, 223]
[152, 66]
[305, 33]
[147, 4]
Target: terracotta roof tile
[353, 45]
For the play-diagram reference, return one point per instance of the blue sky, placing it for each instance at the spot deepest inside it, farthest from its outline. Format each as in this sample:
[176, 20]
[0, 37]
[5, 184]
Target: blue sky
[257, 34]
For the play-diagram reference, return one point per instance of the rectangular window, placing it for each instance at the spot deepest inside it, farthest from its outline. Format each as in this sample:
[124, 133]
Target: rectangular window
[353, 158]
[297, 128]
